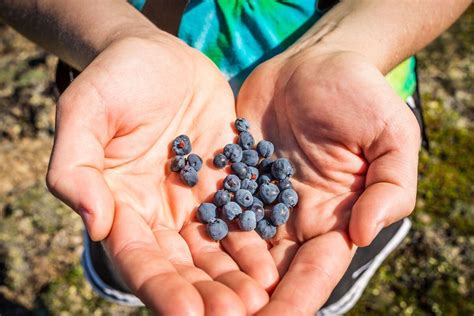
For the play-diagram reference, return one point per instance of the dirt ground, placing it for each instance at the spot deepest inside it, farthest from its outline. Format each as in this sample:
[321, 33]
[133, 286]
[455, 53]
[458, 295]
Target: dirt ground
[40, 239]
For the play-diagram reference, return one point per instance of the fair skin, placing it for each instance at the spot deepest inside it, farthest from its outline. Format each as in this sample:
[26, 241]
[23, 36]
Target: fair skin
[155, 241]
[323, 102]
[355, 152]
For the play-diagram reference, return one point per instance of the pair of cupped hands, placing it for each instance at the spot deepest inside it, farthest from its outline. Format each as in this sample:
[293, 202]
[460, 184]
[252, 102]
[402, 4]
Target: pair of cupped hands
[353, 142]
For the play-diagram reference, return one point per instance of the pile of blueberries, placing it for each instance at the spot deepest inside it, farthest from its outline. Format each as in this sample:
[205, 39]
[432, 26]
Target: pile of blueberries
[258, 195]
[189, 166]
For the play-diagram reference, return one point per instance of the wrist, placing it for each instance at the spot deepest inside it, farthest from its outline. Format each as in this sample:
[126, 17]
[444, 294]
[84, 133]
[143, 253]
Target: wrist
[136, 35]
[78, 31]
[324, 44]
[346, 28]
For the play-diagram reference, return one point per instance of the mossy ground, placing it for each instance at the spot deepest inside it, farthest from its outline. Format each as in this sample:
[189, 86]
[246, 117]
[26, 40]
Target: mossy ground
[40, 239]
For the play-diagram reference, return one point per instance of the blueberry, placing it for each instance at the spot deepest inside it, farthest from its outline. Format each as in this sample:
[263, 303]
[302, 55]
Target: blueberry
[250, 157]
[265, 148]
[253, 173]
[265, 229]
[178, 163]
[241, 124]
[189, 175]
[243, 197]
[195, 161]
[217, 229]
[206, 212]
[220, 161]
[268, 192]
[282, 168]
[258, 210]
[240, 169]
[232, 183]
[233, 152]
[256, 200]
[280, 214]
[247, 221]
[289, 197]
[221, 197]
[249, 185]
[181, 145]
[265, 166]
[264, 178]
[246, 140]
[285, 184]
[231, 210]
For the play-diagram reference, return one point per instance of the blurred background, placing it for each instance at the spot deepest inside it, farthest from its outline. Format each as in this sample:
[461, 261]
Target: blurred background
[431, 273]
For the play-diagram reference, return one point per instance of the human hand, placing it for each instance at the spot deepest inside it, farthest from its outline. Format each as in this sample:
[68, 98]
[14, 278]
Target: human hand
[355, 147]
[110, 163]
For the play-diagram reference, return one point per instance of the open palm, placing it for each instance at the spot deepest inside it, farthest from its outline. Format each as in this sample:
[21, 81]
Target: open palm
[354, 144]
[111, 160]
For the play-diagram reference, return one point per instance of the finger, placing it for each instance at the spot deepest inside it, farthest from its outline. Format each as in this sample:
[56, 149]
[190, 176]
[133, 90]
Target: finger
[280, 309]
[191, 273]
[140, 261]
[390, 192]
[75, 170]
[251, 253]
[174, 248]
[283, 253]
[218, 299]
[249, 290]
[316, 269]
[379, 206]
[318, 212]
[208, 256]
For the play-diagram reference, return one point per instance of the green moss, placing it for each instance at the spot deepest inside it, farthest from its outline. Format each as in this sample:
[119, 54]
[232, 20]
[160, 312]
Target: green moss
[446, 186]
[72, 295]
[40, 243]
[32, 77]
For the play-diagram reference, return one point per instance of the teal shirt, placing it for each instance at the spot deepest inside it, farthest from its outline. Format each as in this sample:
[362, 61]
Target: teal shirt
[137, 3]
[238, 35]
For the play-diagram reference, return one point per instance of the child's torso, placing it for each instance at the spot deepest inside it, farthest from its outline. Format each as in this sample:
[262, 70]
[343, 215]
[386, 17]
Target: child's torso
[238, 35]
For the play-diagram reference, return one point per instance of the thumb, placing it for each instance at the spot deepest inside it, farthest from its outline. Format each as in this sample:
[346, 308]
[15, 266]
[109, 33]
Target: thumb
[390, 189]
[75, 173]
